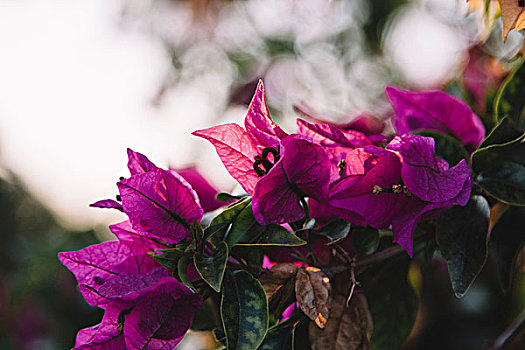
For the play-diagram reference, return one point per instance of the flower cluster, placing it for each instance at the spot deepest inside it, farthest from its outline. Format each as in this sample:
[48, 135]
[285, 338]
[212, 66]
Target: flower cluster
[323, 172]
[343, 173]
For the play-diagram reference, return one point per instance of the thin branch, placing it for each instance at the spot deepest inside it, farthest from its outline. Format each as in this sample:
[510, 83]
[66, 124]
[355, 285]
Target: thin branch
[509, 331]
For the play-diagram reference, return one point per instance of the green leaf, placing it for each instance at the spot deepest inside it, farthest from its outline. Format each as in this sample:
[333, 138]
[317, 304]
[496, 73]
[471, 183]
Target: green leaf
[182, 271]
[244, 311]
[506, 240]
[211, 268]
[462, 239]
[506, 131]
[226, 197]
[447, 147]
[226, 217]
[335, 230]
[510, 99]
[169, 258]
[278, 338]
[246, 230]
[501, 171]
[203, 319]
[392, 303]
[365, 240]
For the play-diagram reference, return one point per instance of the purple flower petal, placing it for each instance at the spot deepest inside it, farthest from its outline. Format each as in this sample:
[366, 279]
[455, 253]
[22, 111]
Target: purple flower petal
[303, 170]
[435, 110]
[329, 135]
[126, 233]
[94, 265]
[203, 188]
[258, 123]
[106, 335]
[160, 204]
[139, 163]
[161, 317]
[107, 203]
[236, 150]
[424, 175]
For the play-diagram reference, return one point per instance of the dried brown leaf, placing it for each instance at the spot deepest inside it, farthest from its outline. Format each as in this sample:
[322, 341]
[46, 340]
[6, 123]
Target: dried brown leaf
[278, 275]
[520, 22]
[348, 328]
[312, 290]
[510, 12]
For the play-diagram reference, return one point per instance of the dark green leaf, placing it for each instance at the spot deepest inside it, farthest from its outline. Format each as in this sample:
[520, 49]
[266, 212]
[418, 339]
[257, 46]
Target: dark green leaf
[506, 131]
[211, 268]
[510, 99]
[203, 319]
[447, 147]
[365, 240]
[278, 338]
[169, 258]
[392, 303]
[244, 311]
[462, 239]
[246, 230]
[506, 240]
[182, 271]
[226, 197]
[226, 217]
[501, 171]
[335, 230]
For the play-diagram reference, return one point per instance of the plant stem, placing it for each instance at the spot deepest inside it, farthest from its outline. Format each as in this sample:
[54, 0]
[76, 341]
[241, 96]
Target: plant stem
[509, 331]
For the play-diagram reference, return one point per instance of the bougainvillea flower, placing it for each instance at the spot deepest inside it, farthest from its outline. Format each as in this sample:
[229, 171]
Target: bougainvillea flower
[383, 195]
[435, 110]
[241, 150]
[160, 204]
[206, 192]
[344, 148]
[303, 170]
[156, 318]
[107, 204]
[106, 335]
[97, 264]
[426, 176]
[126, 234]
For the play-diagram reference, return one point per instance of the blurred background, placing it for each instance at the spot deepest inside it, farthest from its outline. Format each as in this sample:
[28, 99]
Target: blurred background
[80, 81]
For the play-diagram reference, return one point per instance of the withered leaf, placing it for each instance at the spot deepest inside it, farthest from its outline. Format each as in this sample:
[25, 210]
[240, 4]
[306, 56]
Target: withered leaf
[312, 290]
[273, 279]
[348, 328]
[510, 14]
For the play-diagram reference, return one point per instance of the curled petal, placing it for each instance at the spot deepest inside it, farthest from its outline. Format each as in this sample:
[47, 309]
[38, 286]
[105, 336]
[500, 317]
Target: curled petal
[139, 163]
[107, 203]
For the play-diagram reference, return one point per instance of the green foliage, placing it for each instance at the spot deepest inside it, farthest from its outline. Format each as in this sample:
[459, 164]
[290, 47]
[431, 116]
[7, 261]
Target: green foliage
[392, 302]
[510, 99]
[335, 230]
[212, 267]
[462, 239]
[168, 258]
[500, 170]
[244, 311]
[506, 240]
[365, 240]
[278, 338]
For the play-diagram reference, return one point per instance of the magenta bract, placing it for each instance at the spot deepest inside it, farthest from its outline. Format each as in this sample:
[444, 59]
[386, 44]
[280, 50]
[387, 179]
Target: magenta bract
[435, 110]
[302, 171]
[160, 204]
[107, 204]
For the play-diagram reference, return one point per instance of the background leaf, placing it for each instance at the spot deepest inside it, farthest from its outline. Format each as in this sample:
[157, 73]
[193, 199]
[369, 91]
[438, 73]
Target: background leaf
[392, 302]
[211, 268]
[501, 171]
[462, 239]
[335, 230]
[506, 240]
[244, 311]
[365, 240]
[509, 99]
